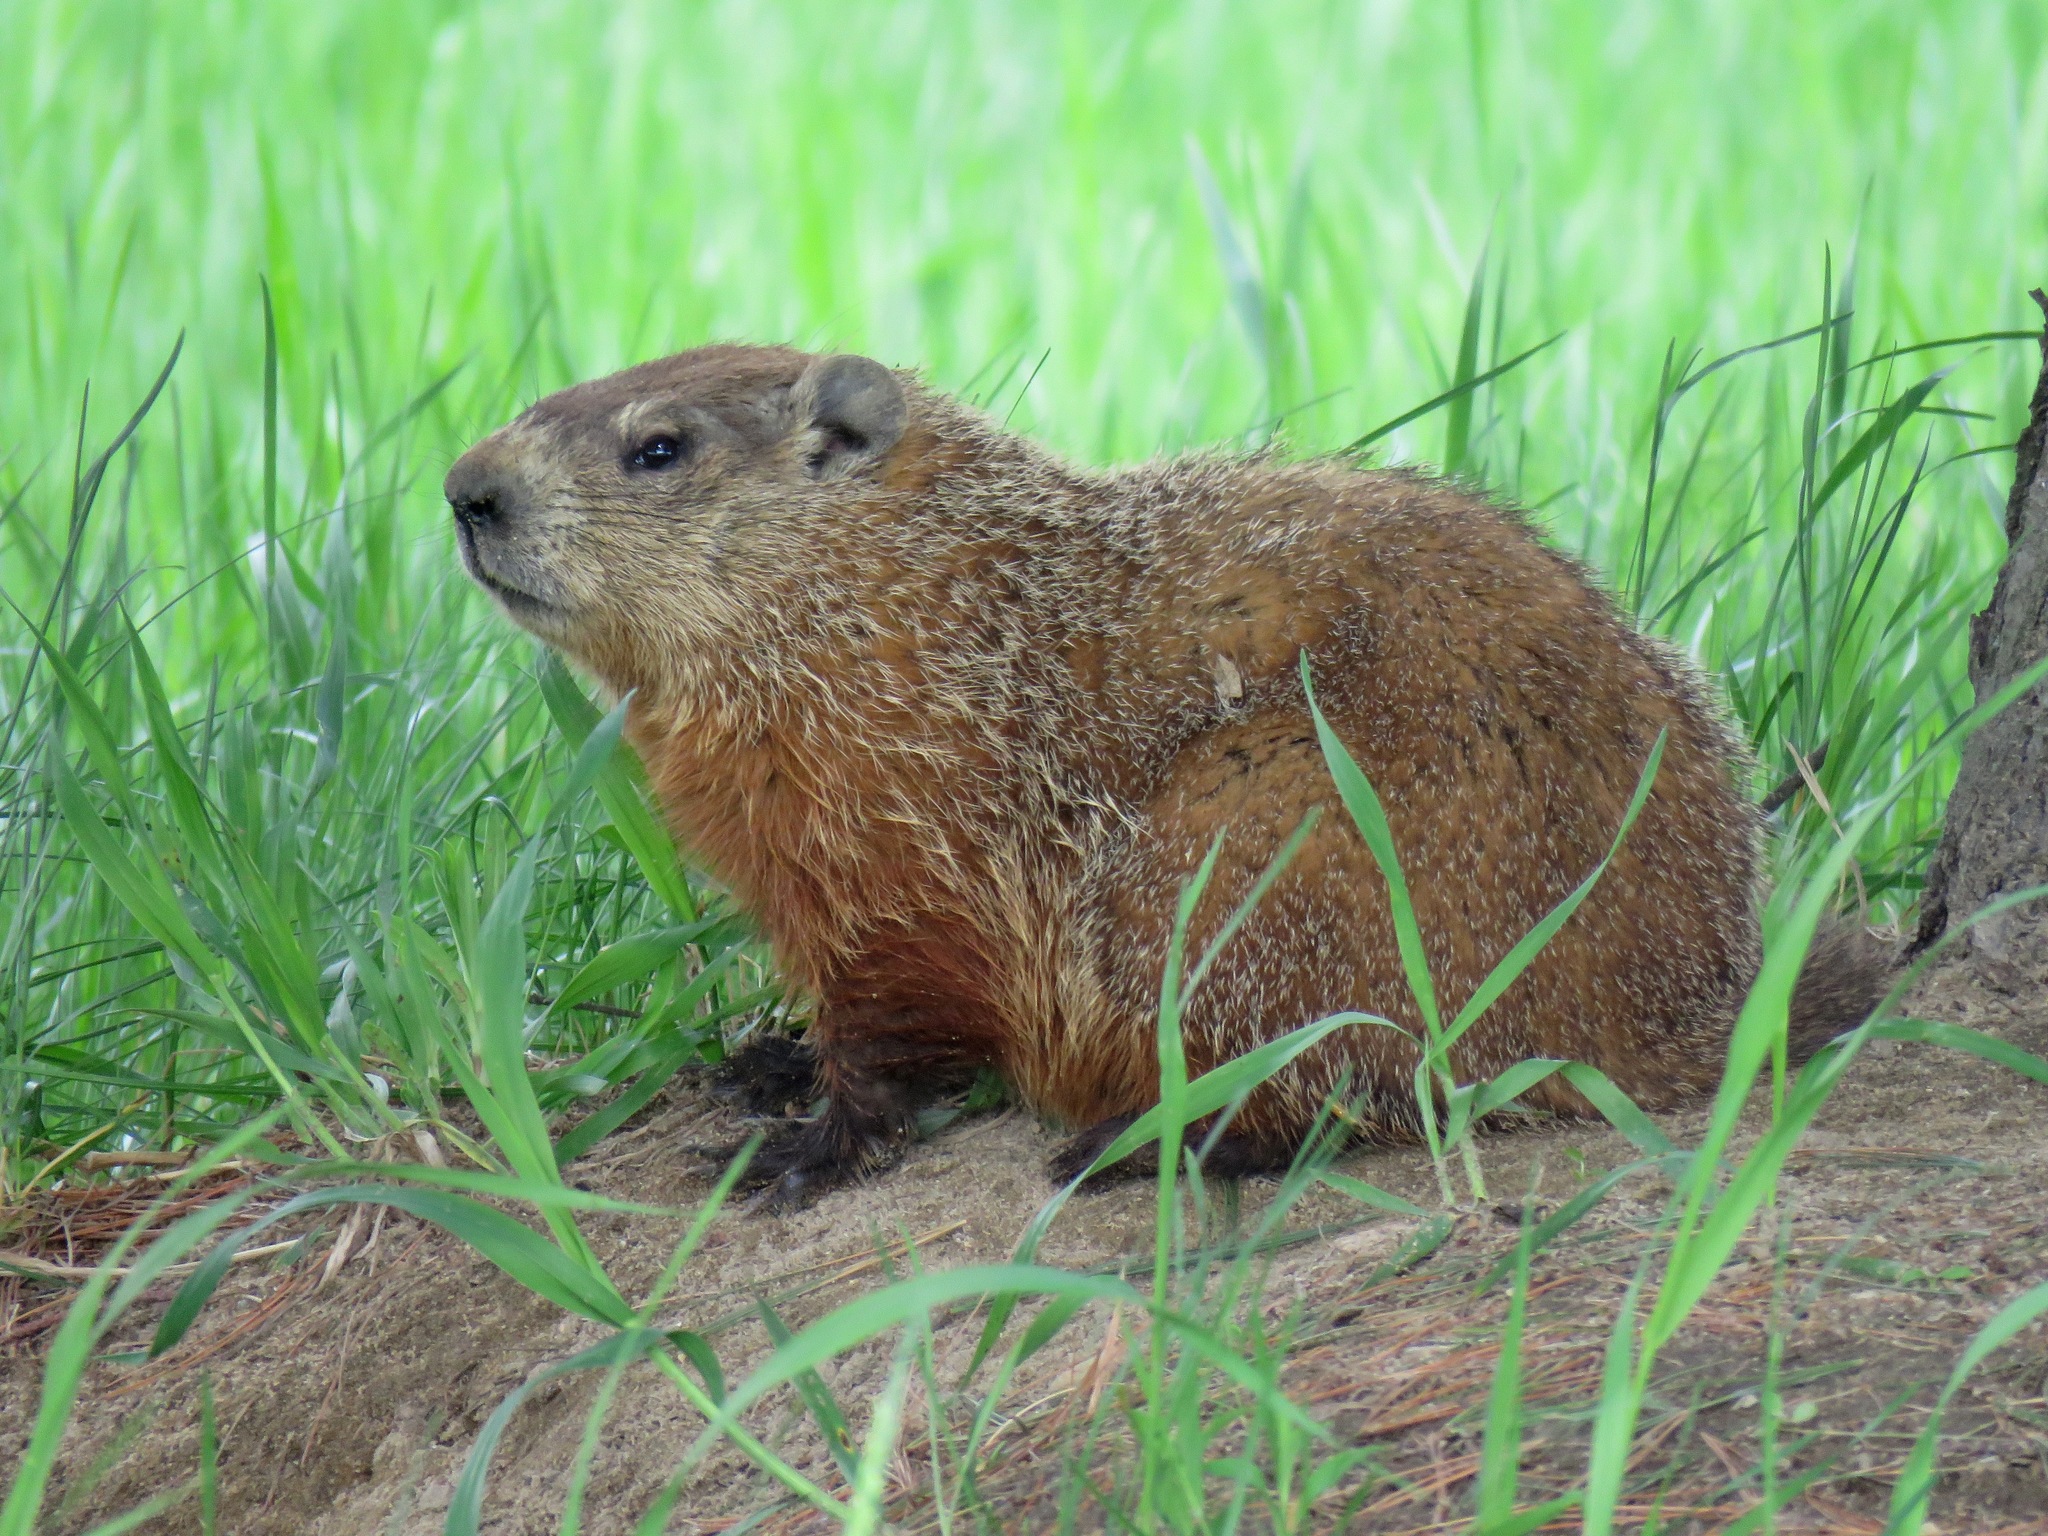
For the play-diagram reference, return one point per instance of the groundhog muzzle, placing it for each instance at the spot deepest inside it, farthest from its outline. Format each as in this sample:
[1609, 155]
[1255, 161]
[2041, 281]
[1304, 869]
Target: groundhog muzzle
[956, 721]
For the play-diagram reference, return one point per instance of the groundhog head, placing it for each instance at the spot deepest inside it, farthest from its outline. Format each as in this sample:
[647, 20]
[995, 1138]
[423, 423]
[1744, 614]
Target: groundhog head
[617, 517]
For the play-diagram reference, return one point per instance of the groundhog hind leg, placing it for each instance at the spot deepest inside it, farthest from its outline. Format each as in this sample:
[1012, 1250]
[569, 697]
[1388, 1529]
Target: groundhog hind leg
[1233, 1155]
[1315, 945]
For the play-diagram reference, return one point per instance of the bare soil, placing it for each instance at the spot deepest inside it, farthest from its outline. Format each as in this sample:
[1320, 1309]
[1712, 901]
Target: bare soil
[1917, 1207]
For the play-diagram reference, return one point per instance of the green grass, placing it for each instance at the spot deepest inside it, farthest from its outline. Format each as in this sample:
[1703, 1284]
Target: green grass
[283, 816]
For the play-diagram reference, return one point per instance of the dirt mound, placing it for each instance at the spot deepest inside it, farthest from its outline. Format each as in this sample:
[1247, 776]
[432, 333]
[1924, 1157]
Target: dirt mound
[1917, 1207]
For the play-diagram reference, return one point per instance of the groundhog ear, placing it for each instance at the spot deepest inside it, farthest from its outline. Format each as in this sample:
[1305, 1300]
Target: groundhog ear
[851, 411]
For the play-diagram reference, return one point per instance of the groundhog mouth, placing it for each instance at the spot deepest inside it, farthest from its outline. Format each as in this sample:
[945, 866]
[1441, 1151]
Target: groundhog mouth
[512, 597]
[521, 604]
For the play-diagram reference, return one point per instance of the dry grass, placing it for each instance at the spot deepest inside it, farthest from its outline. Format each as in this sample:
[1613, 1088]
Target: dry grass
[55, 1235]
[1405, 1362]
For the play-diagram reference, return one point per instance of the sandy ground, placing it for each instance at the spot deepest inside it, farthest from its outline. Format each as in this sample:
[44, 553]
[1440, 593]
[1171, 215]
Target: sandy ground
[349, 1410]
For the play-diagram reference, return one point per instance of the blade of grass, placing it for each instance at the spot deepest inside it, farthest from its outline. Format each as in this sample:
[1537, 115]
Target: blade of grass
[1456, 392]
[1500, 1452]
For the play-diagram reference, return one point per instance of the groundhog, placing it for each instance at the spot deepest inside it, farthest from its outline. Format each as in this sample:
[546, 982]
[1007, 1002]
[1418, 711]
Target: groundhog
[956, 722]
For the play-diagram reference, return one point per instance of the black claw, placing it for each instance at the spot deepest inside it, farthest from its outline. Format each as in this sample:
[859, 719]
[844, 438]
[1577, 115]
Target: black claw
[801, 1163]
[864, 1128]
[775, 1157]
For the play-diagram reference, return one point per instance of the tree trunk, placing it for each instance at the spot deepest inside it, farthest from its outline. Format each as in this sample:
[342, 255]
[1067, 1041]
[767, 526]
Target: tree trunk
[1996, 837]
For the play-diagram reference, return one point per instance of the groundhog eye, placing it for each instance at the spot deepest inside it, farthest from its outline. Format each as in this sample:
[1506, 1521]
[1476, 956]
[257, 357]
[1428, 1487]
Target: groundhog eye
[658, 452]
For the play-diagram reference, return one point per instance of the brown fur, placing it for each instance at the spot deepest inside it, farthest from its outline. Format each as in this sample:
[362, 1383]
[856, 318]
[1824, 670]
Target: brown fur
[956, 722]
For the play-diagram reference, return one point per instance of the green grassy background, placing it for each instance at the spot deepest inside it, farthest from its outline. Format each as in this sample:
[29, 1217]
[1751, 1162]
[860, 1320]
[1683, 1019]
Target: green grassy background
[1125, 227]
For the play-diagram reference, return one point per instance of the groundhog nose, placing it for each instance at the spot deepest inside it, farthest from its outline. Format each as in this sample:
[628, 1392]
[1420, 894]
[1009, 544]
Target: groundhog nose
[477, 495]
[475, 511]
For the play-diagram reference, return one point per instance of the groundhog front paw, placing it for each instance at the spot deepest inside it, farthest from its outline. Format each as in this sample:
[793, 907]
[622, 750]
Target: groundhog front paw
[793, 1167]
[773, 1076]
[803, 1160]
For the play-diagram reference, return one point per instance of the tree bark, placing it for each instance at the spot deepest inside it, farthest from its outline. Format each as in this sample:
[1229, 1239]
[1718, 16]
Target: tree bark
[1996, 836]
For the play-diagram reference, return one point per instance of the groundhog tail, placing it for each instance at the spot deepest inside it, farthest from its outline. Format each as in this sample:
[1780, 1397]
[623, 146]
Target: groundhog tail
[1846, 975]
